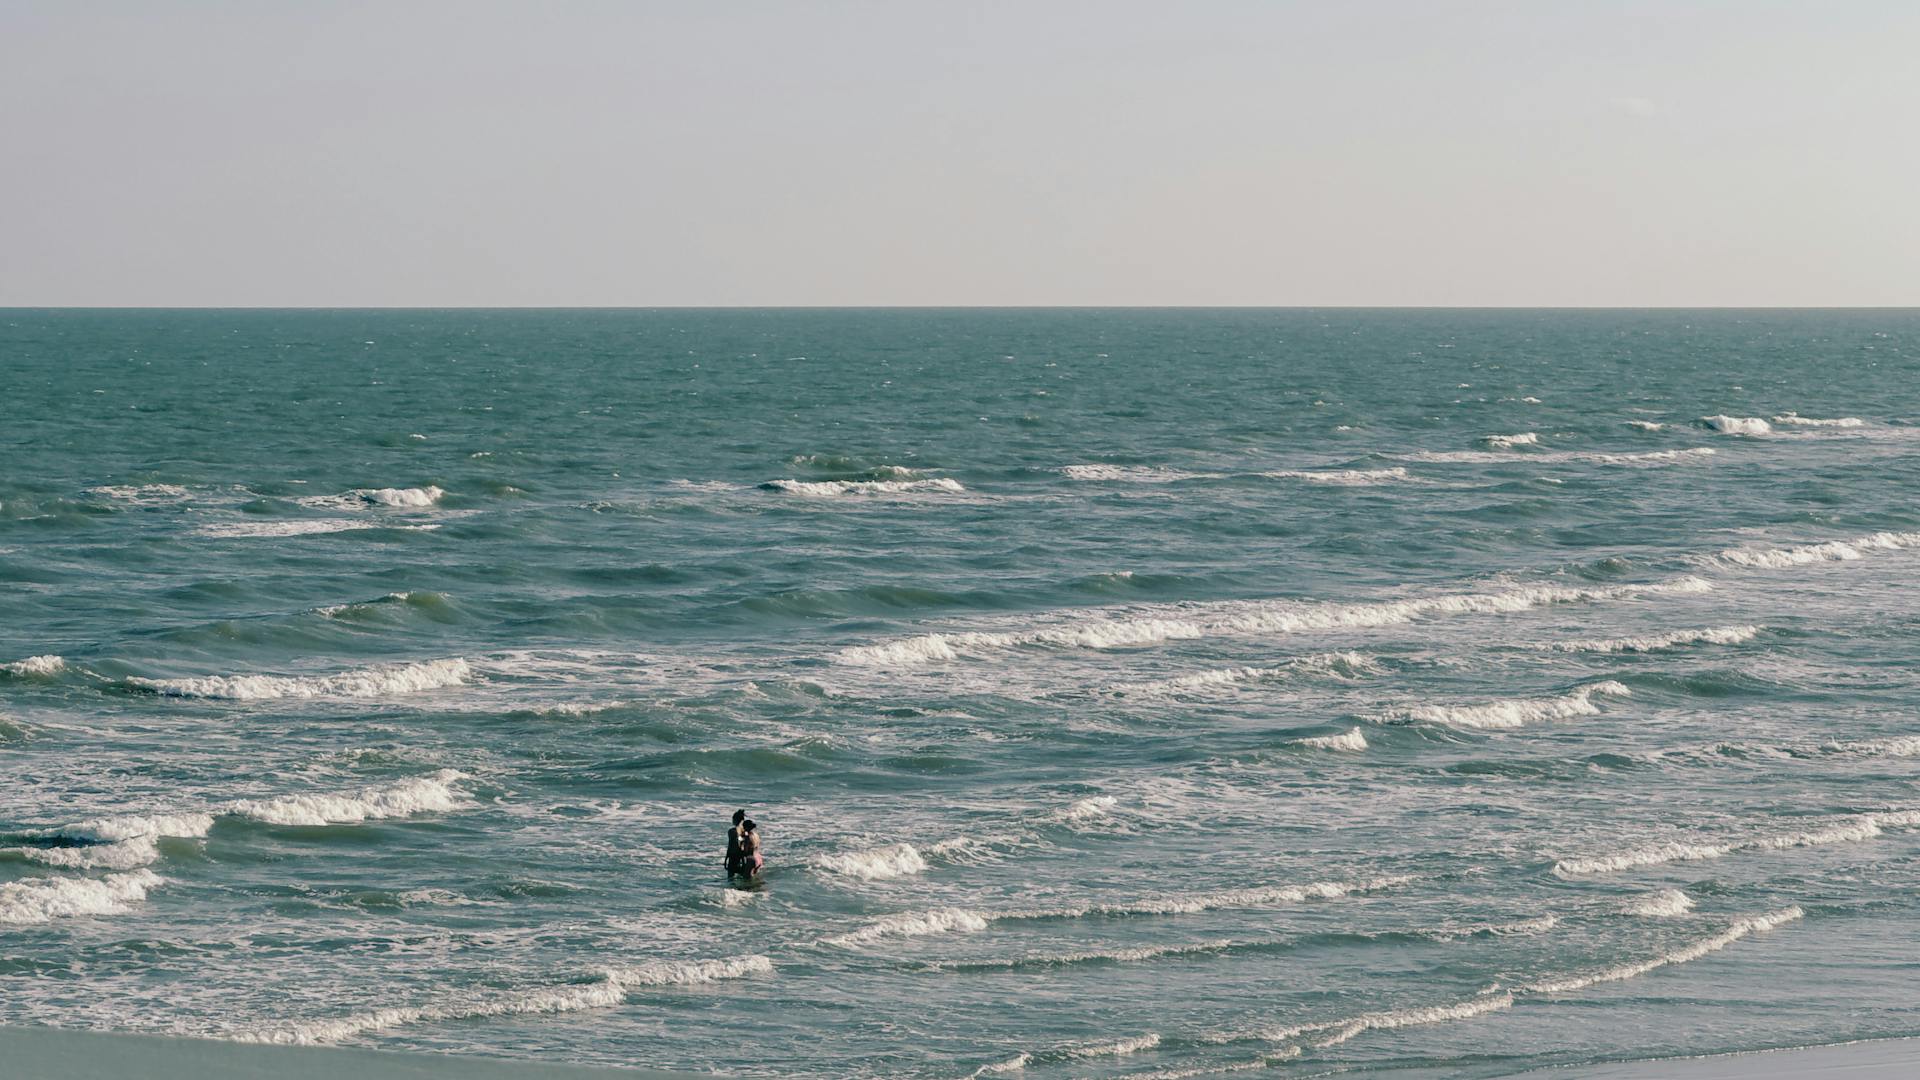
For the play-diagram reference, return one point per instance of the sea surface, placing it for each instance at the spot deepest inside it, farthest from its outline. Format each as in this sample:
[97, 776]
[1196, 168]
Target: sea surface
[1120, 693]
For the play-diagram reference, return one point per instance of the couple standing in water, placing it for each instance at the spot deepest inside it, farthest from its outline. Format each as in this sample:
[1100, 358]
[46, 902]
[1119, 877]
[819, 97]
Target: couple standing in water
[744, 860]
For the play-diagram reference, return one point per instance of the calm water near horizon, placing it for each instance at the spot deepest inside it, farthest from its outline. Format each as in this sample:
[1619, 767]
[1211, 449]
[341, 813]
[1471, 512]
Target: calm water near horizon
[1122, 693]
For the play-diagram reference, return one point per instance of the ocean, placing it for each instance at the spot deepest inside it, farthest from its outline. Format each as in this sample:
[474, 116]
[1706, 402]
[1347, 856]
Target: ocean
[1119, 692]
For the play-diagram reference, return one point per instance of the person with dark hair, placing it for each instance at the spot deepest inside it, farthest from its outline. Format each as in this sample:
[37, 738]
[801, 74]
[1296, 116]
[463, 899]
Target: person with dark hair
[736, 855]
[750, 855]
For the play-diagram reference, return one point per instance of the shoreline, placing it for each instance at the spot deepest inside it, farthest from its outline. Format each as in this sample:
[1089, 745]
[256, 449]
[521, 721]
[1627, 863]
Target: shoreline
[50, 1053]
[1893, 1058]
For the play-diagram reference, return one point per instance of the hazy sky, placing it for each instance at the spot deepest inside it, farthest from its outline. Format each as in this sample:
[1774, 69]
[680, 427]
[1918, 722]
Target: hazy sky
[899, 152]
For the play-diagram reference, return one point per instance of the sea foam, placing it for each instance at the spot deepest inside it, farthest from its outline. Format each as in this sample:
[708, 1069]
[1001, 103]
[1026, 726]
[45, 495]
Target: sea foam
[1516, 712]
[1712, 635]
[1110, 628]
[1805, 554]
[834, 488]
[878, 864]
[36, 667]
[357, 683]
[1844, 830]
[1351, 741]
[1508, 442]
[1737, 425]
[40, 900]
[1740, 928]
[1343, 477]
[416, 795]
[1796, 420]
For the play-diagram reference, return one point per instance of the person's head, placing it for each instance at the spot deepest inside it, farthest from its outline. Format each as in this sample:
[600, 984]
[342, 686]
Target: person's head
[748, 826]
[738, 816]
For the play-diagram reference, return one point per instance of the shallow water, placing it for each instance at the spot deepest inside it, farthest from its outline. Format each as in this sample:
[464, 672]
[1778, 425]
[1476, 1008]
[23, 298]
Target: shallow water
[1121, 693]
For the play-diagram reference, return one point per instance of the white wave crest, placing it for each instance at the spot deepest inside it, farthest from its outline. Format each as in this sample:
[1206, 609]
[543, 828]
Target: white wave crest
[416, 795]
[1351, 742]
[36, 666]
[1508, 442]
[1712, 635]
[399, 497]
[1646, 425]
[1334, 1032]
[1260, 617]
[1638, 458]
[113, 830]
[1092, 808]
[1741, 928]
[1132, 474]
[1796, 420]
[40, 900]
[141, 493]
[1805, 554]
[1194, 903]
[1343, 477]
[914, 924]
[358, 683]
[1737, 425]
[1843, 831]
[833, 488]
[892, 861]
[1016, 1063]
[1660, 905]
[120, 855]
[306, 527]
[1516, 712]
[1340, 664]
[609, 990]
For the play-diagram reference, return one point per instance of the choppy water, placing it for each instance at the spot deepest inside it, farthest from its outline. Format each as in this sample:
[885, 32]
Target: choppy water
[1122, 693]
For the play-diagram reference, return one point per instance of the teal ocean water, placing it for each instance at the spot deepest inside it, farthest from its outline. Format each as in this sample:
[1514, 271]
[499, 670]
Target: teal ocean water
[1121, 693]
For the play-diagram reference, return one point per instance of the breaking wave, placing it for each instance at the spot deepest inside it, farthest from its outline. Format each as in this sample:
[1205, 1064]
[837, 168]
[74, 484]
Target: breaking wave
[417, 795]
[307, 527]
[1508, 442]
[1351, 741]
[1343, 477]
[1741, 928]
[41, 900]
[1843, 831]
[119, 855]
[892, 861]
[1516, 712]
[1713, 635]
[1805, 554]
[358, 683]
[1737, 425]
[1199, 620]
[833, 488]
[1339, 664]
[1132, 474]
[36, 667]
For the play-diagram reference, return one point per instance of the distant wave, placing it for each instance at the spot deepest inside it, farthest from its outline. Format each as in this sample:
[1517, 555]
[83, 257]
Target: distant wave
[413, 498]
[41, 900]
[1343, 477]
[1112, 629]
[1512, 713]
[104, 841]
[1712, 635]
[147, 494]
[306, 527]
[1646, 425]
[609, 989]
[1593, 457]
[356, 683]
[1132, 474]
[1339, 664]
[1796, 420]
[1842, 831]
[1805, 554]
[835, 488]
[1737, 425]
[1508, 442]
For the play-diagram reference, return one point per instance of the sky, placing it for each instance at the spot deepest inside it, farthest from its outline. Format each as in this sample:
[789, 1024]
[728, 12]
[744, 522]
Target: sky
[899, 152]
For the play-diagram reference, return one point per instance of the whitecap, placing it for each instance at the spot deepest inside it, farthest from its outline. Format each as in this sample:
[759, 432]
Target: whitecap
[1343, 477]
[1740, 928]
[354, 683]
[305, 527]
[1351, 742]
[40, 900]
[1512, 713]
[877, 864]
[38, 667]
[1713, 635]
[1841, 831]
[1664, 904]
[416, 795]
[1806, 554]
[1646, 425]
[1132, 474]
[1796, 420]
[832, 488]
[1508, 442]
[1737, 425]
